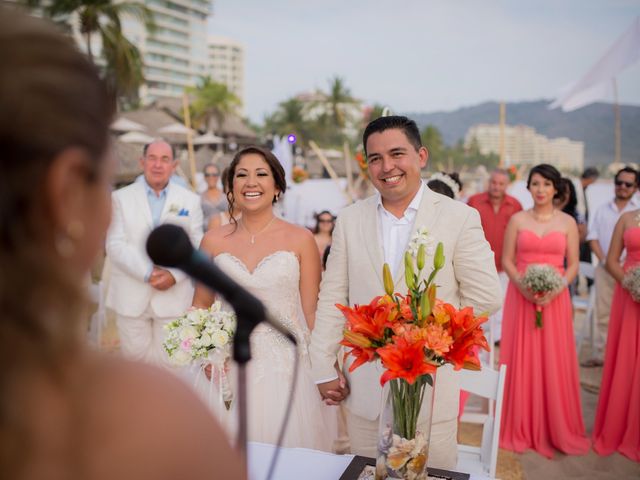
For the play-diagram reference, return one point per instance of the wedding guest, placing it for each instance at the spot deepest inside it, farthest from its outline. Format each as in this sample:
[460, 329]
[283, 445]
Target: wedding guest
[448, 184]
[325, 221]
[589, 176]
[224, 217]
[617, 424]
[66, 411]
[496, 208]
[599, 237]
[568, 203]
[214, 201]
[144, 296]
[541, 406]
[372, 232]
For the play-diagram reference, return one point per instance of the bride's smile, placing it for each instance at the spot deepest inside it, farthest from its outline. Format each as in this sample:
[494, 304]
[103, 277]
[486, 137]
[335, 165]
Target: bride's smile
[254, 187]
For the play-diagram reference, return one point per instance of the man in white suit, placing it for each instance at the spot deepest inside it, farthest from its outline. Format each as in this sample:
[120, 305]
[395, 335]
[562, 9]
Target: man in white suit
[144, 296]
[377, 230]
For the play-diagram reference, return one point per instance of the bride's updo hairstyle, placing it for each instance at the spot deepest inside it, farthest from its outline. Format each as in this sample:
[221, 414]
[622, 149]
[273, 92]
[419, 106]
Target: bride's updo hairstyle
[51, 99]
[274, 165]
[549, 172]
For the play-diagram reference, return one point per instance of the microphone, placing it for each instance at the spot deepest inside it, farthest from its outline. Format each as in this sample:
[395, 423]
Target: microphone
[169, 246]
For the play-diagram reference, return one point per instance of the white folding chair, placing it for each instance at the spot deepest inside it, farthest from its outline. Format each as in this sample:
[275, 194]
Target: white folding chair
[587, 305]
[487, 383]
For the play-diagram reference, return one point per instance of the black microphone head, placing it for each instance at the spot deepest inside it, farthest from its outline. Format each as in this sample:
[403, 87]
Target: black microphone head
[169, 246]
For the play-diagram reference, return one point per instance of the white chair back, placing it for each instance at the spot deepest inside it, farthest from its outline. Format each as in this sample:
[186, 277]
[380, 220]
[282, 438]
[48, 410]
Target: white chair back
[587, 270]
[487, 383]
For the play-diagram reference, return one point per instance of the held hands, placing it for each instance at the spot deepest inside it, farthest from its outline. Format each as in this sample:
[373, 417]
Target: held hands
[335, 391]
[161, 279]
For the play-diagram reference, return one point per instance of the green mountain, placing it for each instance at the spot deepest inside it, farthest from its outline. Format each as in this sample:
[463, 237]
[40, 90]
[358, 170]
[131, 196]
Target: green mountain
[593, 125]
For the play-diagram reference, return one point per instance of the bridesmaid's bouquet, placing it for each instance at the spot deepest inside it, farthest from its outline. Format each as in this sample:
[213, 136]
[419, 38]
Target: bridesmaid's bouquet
[541, 279]
[631, 282]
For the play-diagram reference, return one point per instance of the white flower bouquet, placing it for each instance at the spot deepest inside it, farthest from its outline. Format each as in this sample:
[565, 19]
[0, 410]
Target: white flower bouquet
[541, 279]
[203, 335]
[631, 282]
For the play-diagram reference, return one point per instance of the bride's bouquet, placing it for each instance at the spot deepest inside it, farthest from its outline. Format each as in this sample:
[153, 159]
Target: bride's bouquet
[203, 335]
[631, 282]
[541, 279]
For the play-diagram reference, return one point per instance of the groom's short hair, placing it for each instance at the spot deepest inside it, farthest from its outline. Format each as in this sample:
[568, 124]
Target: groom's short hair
[400, 122]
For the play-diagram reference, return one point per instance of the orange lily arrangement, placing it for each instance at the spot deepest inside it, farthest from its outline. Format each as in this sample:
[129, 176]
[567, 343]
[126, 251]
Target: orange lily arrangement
[404, 331]
[413, 334]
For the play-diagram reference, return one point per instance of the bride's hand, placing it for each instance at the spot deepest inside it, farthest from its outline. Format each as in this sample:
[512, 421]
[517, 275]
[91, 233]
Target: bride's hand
[208, 371]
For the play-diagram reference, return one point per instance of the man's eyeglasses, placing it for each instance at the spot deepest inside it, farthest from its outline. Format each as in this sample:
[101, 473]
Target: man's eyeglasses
[620, 183]
[211, 174]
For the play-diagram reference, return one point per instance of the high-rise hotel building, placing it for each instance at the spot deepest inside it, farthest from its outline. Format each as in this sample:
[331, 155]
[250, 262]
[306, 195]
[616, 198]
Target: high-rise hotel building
[226, 63]
[175, 54]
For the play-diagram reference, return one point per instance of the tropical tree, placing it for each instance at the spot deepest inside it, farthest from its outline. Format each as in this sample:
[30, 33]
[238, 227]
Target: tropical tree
[338, 100]
[432, 139]
[290, 118]
[123, 68]
[212, 100]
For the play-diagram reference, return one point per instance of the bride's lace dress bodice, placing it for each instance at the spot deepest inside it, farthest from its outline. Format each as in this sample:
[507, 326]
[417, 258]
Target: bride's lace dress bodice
[276, 282]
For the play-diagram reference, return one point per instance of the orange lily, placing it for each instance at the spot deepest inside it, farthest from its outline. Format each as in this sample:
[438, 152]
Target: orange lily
[404, 360]
[468, 337]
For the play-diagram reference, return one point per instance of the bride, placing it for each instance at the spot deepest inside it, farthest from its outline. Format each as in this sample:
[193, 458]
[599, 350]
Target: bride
[278, 263]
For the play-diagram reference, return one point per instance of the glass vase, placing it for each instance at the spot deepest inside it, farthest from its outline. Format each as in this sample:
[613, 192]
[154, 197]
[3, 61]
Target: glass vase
[405, 429]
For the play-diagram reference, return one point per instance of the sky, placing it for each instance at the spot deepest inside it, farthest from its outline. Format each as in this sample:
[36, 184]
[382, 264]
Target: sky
[422, 55]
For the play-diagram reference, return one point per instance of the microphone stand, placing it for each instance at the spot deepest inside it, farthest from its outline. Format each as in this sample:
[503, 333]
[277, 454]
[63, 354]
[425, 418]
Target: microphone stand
[242, 355]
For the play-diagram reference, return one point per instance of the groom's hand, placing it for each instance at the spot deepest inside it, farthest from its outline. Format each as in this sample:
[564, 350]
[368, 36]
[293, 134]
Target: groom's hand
[335, 391]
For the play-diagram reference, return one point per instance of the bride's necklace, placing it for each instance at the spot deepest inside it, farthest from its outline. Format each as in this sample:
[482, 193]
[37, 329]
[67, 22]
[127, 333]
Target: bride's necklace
[543, 218]
[254, 235]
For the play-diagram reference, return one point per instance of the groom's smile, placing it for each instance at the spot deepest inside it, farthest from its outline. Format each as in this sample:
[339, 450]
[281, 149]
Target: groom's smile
[394, 167]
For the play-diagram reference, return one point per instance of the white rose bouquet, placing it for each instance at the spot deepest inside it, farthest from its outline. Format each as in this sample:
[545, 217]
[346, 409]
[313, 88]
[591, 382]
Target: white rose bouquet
[203, 334]
[631, 282]
[541, 279]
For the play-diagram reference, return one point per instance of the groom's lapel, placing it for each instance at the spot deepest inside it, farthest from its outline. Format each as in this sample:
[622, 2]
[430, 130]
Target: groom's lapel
[372, 240]
[425, 217]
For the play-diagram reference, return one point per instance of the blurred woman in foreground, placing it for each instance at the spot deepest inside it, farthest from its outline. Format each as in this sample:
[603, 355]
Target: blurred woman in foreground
[67, 412]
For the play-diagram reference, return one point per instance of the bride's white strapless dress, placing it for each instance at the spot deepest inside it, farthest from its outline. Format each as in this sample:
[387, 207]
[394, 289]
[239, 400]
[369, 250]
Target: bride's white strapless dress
[276, 282]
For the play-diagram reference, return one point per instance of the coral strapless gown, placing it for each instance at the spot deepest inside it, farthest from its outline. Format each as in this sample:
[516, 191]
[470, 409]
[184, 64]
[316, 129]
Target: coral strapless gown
[541, 407]
[617, 425]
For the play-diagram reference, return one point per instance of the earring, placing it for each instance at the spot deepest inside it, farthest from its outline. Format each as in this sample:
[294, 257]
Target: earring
[276, 197]
[65, 241]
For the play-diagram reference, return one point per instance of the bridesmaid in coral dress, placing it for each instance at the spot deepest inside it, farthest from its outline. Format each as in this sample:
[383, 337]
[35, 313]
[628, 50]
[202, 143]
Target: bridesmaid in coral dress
[617, 425]
[541, 407]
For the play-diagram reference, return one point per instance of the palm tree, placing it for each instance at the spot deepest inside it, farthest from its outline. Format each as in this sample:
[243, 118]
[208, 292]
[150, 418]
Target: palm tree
[337, 101]
[104, 17]
[290, 118]
[212, 100]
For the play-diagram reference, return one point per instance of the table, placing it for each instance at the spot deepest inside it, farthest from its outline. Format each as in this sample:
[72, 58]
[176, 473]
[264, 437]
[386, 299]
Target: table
[299, 463]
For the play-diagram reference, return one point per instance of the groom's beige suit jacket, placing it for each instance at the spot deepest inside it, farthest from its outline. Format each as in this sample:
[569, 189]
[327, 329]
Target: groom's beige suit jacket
[354, 276]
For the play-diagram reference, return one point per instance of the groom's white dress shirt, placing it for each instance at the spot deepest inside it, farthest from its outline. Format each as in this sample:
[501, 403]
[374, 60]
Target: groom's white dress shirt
[395, 232]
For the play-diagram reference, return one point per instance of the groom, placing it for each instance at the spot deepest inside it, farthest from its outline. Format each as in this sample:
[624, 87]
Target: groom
[377, 230]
